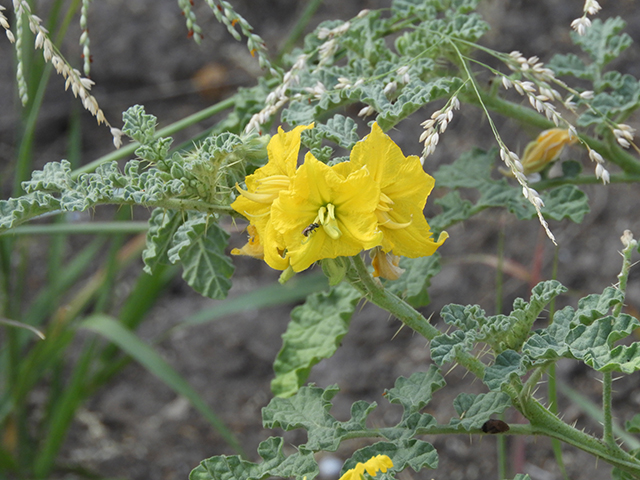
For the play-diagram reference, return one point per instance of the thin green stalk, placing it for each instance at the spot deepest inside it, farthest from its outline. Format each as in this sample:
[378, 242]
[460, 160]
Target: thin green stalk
[584, 180]
[89, 228]
[376, 293]
[607, 422]
[373, 291]
[611, 152]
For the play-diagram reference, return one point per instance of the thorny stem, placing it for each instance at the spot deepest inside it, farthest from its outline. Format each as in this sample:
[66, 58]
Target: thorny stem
[542, 421]
[179, 204]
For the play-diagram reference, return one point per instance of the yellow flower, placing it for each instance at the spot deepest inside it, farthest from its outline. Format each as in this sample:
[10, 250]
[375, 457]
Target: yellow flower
[263, 187]
[326, 214]
[404, 188]
[379, 463]
[545, 149]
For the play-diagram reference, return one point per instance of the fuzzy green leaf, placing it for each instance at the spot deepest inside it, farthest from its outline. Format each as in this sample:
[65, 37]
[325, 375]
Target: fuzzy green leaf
[567, 201]
[54, 176]
[474, 170]
[506, 366]
[475, 410]
[412, 97]
[414, 453]
[415, 392]
[340, 130]
[309, 409]
[298, 465]
[314, 333]
[571, 64]
[601, 40]
[162, 227]
[445, 347]
[199, 244]
[138, 125]
[595, 306]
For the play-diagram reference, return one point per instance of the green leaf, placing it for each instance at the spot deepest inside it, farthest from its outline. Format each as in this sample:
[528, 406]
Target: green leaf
[571, 64]
[315, 332]
[595, 306]
[162, 227]
[445, 347]
[412, 97]
[149, 358]
[299, 465]
[415, 392]
[473, 169]
[454, 210]
[340, 130]
[309, 409]
[138, 125]
[506, 366]
[475, 410]
[567, 201]
[601, 40]
[200, 246]
[54, 176]
[413, 284]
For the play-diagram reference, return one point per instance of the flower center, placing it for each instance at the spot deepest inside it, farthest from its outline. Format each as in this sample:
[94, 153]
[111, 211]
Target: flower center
[327, 220]
[267, 189]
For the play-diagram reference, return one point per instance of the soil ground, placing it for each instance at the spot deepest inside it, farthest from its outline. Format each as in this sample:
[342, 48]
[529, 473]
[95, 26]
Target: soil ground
[136, 428]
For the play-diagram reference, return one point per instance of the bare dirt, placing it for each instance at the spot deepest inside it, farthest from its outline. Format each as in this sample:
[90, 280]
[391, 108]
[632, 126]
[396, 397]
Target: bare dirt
[136, 428]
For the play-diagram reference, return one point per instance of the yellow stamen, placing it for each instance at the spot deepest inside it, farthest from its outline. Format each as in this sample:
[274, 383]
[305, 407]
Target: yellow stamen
[267, 189]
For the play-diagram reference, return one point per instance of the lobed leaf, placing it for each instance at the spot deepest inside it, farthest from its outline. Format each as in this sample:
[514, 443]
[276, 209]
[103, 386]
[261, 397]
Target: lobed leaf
[315, 332]
[415, 392]
[309, 409]
[300, 465]
[200, 246]
[601, 40]
[508, 365]
[162, 228]
[475, 410]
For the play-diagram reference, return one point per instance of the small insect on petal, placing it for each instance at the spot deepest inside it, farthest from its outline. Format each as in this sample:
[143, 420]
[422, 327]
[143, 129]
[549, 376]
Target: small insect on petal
[310, 229]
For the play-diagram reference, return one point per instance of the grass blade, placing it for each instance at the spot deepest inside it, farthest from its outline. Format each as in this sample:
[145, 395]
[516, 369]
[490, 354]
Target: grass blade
[149, 358]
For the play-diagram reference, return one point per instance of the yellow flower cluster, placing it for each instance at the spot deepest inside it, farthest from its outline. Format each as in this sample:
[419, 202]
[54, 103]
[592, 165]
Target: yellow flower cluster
[300, 215]
[372, 466]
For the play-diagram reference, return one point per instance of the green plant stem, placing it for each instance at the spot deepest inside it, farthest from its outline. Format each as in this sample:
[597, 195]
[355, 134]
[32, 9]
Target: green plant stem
[542, 421]
[607, 423]
[163, 132]
[373, 291]
[89, 228]
[376, 293]
[178, 204]
[611, 152]
[584, 180]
